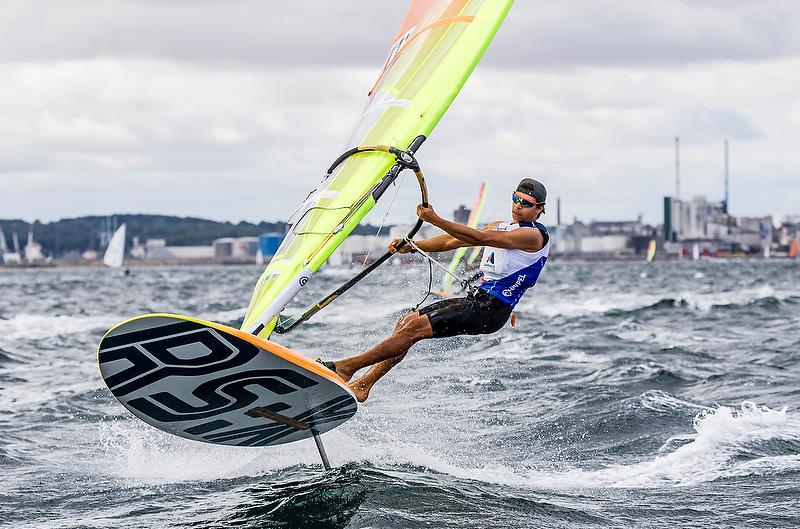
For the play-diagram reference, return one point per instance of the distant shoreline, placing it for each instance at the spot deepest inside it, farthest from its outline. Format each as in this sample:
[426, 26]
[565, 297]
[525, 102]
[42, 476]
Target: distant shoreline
[239, 262]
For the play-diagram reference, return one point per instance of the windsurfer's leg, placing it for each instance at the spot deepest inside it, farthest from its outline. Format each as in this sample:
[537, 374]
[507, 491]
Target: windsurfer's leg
[364, 383]
[410, 329]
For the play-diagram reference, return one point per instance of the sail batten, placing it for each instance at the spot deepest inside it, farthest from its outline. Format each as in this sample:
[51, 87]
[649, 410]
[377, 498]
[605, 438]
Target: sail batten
[437, 47]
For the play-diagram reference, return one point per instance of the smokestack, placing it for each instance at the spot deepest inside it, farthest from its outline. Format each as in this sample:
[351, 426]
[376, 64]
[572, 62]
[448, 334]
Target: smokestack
[725, 204]
[677, 167]
[558, 211]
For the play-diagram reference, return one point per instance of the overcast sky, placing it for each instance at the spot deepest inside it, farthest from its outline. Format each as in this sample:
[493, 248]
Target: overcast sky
[232, 110]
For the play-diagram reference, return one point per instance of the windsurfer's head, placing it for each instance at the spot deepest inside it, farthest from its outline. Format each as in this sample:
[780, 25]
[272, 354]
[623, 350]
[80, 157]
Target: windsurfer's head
[528, 200]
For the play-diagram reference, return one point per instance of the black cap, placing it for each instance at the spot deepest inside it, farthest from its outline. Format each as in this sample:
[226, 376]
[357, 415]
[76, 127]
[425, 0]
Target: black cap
[533, 188]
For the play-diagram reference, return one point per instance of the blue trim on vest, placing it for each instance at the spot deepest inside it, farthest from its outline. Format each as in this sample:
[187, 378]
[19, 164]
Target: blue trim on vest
[510, 289]
[545, 234]
[536, 224]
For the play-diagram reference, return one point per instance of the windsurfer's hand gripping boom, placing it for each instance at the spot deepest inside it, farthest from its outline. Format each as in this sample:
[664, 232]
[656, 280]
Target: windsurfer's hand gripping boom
[440, 243]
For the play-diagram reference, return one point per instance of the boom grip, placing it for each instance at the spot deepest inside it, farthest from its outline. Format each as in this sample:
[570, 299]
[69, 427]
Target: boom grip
[411, 163]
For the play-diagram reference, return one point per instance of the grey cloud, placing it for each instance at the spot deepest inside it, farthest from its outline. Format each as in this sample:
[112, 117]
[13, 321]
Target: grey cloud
[536, 34]
[237, 33]
[224, 110]
[640, 33]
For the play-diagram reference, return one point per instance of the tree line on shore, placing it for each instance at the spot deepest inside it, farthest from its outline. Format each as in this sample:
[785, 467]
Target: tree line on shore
[91, 233]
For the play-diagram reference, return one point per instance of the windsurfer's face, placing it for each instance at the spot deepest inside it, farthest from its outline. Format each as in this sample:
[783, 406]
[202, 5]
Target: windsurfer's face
[521, 209]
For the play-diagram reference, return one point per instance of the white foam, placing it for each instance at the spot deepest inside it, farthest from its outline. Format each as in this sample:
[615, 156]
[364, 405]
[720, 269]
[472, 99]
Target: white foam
[144, 455]
[763, 466]
[701, 301]
[140, 454]
[38, 326]
[720, 435]
[563, 306]
[706, 301]
[660, 401]
[580, 357]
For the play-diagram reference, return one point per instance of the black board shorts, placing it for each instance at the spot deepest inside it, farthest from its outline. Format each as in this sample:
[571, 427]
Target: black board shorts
[478, 313]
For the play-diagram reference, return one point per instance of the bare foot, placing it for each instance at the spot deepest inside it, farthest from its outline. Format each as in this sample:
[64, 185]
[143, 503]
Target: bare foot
[343, 373]
[361, 393]
[336, 368]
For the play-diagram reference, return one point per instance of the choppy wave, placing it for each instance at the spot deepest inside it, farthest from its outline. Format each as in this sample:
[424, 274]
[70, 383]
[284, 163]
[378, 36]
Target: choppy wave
[624, 303]
[616, 397]
[726, 443]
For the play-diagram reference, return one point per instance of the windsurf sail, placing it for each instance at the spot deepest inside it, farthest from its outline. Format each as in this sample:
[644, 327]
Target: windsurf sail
[115, 253]
[651, 251]
[439, 44]
[472, 222]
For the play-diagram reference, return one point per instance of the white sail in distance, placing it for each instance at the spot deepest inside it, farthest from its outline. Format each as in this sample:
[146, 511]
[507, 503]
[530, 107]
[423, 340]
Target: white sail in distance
[115, 253]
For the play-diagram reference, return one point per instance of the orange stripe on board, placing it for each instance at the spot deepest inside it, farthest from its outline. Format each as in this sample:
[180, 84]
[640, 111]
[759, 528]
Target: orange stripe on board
[442, 21]
[281, 351]
[272, 347]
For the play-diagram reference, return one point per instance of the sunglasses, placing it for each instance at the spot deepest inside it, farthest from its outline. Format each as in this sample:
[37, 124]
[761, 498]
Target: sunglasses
[525, 203]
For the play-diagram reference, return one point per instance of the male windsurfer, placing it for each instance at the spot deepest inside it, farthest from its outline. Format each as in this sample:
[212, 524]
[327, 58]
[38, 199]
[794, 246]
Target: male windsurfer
[515, 253]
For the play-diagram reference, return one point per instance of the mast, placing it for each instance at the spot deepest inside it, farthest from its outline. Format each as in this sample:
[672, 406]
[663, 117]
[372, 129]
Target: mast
[558, 211]
[677, 167]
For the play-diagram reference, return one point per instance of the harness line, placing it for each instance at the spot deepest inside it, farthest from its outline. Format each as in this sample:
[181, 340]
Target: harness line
[432, 260]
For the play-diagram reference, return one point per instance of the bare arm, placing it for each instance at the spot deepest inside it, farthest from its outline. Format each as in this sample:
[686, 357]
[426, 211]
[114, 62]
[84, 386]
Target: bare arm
[440, 243]
[529, 240]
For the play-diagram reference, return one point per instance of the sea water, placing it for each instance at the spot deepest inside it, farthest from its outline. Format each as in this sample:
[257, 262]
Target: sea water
[626, 396]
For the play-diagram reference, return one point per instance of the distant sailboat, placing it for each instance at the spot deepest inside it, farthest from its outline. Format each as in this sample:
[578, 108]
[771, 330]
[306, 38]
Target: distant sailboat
[33, 250]
[793, 248]
[651, 251]
[695, 252]
[115, 253]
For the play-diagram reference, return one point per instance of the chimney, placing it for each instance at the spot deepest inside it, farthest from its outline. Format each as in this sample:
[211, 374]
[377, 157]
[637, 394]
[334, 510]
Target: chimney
[558, 211]
[725, 203]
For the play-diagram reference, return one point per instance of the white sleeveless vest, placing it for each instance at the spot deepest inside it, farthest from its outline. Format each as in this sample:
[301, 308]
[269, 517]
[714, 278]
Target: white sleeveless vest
[507, 274]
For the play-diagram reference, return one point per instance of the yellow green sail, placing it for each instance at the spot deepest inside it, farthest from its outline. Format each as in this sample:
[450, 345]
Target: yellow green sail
[439, 44]
[472, 222]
